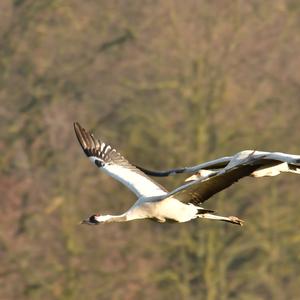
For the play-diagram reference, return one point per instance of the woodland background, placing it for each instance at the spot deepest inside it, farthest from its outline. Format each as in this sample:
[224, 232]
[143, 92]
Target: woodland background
[168, 83]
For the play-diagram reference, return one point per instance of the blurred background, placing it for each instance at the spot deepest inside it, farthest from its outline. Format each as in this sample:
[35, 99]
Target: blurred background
[169, 84]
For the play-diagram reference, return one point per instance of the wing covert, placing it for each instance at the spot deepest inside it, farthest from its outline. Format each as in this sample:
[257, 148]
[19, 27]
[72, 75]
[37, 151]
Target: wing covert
[245, 163]
[202, 189]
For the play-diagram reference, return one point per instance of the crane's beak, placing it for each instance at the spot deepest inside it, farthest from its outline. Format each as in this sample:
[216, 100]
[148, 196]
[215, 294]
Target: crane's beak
[88, 222]
[84, 222]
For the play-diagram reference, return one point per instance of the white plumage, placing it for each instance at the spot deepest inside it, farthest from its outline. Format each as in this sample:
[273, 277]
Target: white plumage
[181, 204]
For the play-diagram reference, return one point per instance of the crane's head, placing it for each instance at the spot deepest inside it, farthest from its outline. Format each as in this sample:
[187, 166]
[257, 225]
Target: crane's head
[92, 220]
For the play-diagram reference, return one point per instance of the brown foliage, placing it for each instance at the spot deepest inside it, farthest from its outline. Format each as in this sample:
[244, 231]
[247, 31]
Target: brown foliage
[168, 83]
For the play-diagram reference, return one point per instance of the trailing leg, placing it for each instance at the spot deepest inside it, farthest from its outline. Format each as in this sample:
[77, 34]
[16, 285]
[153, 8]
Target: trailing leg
[231, 219]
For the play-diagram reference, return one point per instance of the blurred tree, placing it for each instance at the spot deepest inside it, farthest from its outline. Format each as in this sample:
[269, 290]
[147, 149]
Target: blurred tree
[168, 83]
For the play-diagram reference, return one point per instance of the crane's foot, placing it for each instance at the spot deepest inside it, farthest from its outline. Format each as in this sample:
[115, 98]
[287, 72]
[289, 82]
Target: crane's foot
[235, 220]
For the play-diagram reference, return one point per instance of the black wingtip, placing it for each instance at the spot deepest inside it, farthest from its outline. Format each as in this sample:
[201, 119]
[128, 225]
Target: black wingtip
[82, 138]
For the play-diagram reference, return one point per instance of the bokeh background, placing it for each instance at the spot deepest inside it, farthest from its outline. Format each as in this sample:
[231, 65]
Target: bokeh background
[168, 83]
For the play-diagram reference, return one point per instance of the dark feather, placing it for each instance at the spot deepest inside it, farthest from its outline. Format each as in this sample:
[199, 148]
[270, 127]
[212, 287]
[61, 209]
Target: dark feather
[208, 166]
[92, 147]
[201, 190]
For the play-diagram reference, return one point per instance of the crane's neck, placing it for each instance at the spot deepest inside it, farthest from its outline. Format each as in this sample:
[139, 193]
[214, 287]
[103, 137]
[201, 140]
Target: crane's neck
[110, 218]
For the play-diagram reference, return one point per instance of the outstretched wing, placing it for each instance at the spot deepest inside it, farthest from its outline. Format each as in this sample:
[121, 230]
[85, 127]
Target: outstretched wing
[219, 163]
[114, 164]
[268, 164]
[201, 189]
[243, 165]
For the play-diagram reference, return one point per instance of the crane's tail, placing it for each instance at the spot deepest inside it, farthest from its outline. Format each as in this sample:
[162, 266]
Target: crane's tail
[205, 211]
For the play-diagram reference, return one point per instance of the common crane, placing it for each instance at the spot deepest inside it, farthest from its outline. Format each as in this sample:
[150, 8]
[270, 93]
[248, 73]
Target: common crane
[154, 201]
